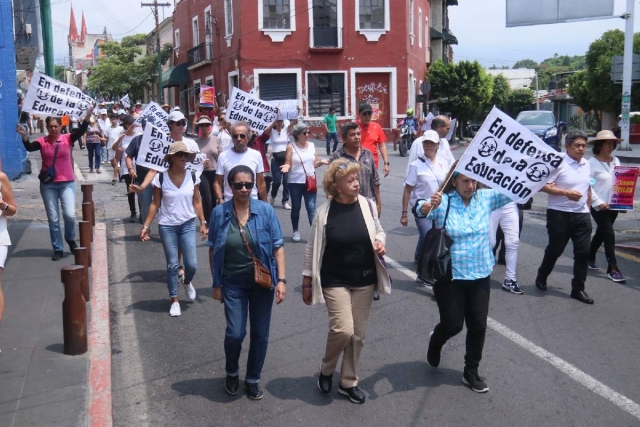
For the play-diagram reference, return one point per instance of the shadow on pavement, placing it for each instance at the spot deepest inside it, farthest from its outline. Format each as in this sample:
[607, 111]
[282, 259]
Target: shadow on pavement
[304, 389]
[56, 348]
[209, 388]
[156, 306]
[148, 276]
[34, 253]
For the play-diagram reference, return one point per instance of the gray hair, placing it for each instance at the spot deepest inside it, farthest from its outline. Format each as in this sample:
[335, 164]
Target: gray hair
[244, 125]
[572, 135]
[299, 128]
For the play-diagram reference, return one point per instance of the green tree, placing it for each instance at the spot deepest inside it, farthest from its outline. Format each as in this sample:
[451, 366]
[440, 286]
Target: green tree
[60, 73]
[520, 100]
[525, 63]
[123, 68]
[501, 92]
[466, 86]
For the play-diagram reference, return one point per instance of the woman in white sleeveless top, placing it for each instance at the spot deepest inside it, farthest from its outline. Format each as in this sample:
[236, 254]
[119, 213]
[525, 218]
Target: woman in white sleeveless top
[279, 140]
[301, 160]
[7, 208]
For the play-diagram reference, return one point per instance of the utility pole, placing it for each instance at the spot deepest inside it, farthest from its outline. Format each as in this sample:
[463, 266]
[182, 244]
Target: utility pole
[47, 37]
[537, 89]
[155, 6]
[627, 67]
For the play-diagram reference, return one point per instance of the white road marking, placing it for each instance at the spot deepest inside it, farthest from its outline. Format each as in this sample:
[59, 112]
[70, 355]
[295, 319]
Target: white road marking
[568, 369]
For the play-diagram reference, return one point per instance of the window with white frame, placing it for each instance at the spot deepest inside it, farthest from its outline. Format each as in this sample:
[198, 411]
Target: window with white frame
[427, 41]
[228, 17]
[278, 86]
[419, 27]
[176, 42]
[371, 14]
[325, 90]
[195, 30]
[411, 18]
[276, 14]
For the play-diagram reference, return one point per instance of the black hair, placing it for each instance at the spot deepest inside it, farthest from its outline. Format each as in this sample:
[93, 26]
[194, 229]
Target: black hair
[597, 146]
[332, 108]
[348, 127]
[239, 169]
[49, 119]
[436, 123]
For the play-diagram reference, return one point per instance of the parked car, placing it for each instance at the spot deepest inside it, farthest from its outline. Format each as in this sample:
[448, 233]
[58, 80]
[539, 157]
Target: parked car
[472, 129]
[543, 124]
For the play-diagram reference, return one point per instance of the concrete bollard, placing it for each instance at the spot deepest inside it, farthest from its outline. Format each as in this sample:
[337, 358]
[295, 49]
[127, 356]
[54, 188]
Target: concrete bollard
[74, 311]
[81, 258]
[87, 197]
[85, 238]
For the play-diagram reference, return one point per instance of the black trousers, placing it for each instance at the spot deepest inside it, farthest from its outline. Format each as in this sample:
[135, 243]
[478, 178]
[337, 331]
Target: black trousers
[562, 226]
[604, 233]
[131, 197]
[460, 302]
[207, 192]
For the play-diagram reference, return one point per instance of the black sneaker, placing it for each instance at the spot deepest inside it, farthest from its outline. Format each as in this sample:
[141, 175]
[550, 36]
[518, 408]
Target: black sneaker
[376, 296]
[254, 391]
[57, 256]
[72, 246]
[353, 393]
[324, 382]
[433, 353]
[512, 286]
[132, 218]
[231, 384]
[475, 382]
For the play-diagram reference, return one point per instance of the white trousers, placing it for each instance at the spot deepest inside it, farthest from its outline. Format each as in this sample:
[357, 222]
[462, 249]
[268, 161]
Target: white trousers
[507, 218]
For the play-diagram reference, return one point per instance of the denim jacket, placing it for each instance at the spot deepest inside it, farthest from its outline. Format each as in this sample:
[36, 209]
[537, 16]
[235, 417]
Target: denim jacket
[265, 230]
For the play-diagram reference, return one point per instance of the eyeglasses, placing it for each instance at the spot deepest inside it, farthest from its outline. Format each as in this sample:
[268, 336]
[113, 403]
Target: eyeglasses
[182, 154]
[239, 185]
[239, 136]
[366, 113]
[180, 123]
[305, 132]
[204, 125]
[53, 127]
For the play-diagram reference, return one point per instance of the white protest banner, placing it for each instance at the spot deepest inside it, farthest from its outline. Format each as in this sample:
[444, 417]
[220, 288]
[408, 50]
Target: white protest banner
[125, 101]
[155, 115]
[153, 147]
[509, 158]
[452, 130]
[50, 97]
[197, 165]
[287, 109]
[244, 107]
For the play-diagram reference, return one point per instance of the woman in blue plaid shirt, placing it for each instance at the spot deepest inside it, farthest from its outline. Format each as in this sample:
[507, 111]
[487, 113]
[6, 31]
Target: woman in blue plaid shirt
[465, 299]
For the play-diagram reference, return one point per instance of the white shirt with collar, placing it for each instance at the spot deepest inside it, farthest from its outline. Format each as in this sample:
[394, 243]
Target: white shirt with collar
[602, 173]
[416, 151]
[571, 175]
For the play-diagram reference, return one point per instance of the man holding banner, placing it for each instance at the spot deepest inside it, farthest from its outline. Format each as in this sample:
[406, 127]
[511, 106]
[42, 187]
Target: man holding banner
[568, 216]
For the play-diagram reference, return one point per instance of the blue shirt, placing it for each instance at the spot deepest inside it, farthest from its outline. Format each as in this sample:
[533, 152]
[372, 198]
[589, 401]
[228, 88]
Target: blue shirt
[468, 226]
[412, 122]
[265, 230]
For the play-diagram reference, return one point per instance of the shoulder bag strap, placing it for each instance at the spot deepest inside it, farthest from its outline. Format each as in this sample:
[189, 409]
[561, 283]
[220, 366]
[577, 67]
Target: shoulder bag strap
[244, 238]
[293, 145]
[55, 153]
[444, 224]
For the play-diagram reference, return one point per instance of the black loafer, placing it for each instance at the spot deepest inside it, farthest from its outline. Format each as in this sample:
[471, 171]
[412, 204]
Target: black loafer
[72, 246]
[231, 385]
[324, 382]
[541, 285]
[433, 353]
[353, 393]
[254, 391]
[582, 297]
[376, 296]
[57, 256]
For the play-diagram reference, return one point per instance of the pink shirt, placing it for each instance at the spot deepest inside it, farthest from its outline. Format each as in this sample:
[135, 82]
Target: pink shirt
[64, 163]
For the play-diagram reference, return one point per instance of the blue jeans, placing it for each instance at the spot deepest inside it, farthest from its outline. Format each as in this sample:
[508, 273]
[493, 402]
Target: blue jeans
[144, 201]
[103, 153]
[424, 225]
[65, 193]
[297, 191]
[94, 152]
[183, 236]
[329, 137]
[279, 178]
[242, 296]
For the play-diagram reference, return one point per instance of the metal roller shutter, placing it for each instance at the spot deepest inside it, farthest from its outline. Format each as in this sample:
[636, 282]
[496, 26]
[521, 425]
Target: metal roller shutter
[278, 86]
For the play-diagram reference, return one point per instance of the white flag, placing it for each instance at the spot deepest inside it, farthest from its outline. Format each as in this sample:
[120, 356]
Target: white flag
[125, 101]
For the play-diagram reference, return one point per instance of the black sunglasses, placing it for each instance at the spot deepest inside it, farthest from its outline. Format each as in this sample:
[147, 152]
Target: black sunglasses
[239, 136]
[366, 113]
[239, 185]
[180, 123]
[204, 125]
[182, 154]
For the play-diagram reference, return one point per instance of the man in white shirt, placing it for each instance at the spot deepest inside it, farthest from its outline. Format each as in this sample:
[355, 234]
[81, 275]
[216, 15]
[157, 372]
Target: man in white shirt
[568, 215]
[240, 154]
[104, 124]
[440, 124]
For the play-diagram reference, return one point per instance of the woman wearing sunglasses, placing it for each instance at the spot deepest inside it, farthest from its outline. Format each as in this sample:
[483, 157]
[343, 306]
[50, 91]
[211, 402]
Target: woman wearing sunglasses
[222, 130]
[176, 198]
[301, 160]
[242, 228]
[343, 267]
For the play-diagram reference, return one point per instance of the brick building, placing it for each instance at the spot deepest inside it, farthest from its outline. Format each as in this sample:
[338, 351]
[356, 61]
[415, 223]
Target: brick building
[321, 52]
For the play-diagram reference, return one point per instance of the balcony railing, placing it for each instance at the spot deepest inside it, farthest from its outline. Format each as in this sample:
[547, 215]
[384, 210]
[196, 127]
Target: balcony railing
[203, 53]
[326, 37]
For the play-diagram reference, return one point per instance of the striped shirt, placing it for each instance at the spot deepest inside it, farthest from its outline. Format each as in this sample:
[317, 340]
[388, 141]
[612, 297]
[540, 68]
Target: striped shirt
[468, 226]
[368, 175]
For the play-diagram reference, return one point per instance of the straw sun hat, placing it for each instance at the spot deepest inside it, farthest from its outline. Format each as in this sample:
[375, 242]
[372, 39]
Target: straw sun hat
[180, 147]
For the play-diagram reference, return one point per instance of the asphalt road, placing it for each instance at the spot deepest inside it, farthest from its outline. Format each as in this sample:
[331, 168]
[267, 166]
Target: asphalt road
[548, 360]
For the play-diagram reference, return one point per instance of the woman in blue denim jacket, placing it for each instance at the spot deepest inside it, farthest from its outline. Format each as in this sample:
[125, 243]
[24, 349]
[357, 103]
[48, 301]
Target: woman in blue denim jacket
[233, 280]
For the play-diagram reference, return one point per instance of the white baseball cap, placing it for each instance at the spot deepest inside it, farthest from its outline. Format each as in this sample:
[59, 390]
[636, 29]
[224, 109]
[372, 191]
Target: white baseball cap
[431, 135]
[176, 116]
[103, 111]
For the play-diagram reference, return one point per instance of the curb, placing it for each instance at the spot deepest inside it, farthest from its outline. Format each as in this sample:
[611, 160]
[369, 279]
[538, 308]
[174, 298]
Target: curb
[99, 400]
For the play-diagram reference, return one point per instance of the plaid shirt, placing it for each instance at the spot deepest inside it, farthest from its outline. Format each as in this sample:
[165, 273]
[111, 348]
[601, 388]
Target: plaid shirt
[468, 226]
[368, 175]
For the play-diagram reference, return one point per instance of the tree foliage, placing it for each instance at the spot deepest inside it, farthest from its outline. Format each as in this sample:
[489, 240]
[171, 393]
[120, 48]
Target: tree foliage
[466, 85]
[526, 63]
[60, 73]
[520, 100]
[501, 92]
[123, 69]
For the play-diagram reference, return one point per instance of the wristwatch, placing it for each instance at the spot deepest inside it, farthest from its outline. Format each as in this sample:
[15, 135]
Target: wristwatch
[282, 280]
[387, 164]
[5, 207]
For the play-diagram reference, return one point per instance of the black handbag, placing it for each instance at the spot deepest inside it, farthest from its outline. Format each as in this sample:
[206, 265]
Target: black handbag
[434, 260]
[47, 176]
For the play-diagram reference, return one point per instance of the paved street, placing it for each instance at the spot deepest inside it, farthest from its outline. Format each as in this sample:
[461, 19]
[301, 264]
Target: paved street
[548, 360]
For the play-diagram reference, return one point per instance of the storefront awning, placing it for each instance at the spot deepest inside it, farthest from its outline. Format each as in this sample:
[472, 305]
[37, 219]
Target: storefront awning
[176, 76]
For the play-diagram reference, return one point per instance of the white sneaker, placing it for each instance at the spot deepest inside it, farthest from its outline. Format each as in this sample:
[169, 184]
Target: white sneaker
[175, 309]
[296, 236]
[272, 200]
[287, 206]
[191, 292]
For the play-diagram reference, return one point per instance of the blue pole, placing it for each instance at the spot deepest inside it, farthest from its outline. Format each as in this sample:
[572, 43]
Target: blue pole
[10, 146]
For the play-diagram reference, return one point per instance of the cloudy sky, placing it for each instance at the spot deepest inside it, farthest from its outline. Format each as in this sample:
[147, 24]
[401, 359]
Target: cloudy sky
[479, 26]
